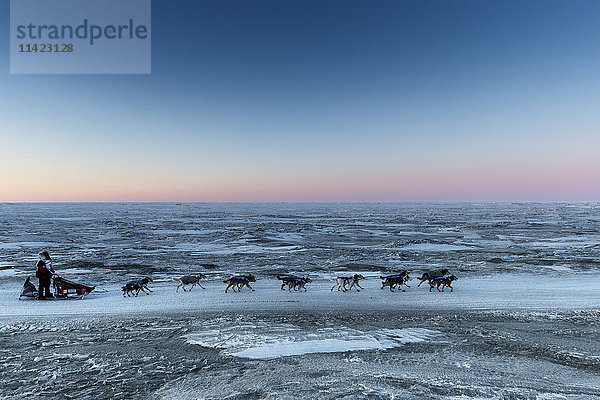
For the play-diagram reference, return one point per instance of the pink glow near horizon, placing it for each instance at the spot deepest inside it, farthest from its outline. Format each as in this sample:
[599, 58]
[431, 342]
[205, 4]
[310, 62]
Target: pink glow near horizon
[517, 183]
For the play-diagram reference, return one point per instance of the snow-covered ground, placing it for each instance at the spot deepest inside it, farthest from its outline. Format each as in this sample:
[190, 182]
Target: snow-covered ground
[503, 291]
[506, 336]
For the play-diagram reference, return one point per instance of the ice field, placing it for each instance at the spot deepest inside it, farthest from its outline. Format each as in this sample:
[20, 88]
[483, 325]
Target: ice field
[522, 323]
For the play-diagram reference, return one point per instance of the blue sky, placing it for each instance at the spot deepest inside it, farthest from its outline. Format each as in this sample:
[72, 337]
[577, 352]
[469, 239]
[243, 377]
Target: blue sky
[321, 100]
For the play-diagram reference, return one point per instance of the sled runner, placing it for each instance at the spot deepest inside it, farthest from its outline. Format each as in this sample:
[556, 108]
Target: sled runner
[66, 289]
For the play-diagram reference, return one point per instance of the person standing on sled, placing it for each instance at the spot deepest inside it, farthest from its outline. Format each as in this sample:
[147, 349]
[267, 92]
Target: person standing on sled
[44, 273]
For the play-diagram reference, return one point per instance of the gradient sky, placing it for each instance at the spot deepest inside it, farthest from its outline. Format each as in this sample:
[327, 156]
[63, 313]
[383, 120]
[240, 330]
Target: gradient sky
[321, 101]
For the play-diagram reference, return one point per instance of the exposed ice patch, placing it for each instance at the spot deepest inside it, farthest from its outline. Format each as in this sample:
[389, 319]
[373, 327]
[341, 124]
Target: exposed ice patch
[19, 245]
[7, 272]
[286, 348]
[6, 264]
[268, 341]
[75, 271]
[436, 247]
[286, 236]
[557, 267]
[470, 235]
[412, 233]
[550, 396]
[223, 249]
[69, 219]
[567, 242]
[184, 231]
[10, 272]
[375, 393]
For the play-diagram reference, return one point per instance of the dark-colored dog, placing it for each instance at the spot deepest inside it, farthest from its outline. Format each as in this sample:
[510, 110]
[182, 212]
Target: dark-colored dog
[134, 287]
[240, 281]
[294, 282]
[189, 280]
[299, 283]
[342, 282]
[285, 280]
[444, 281]
[396, 280]
[432, 274]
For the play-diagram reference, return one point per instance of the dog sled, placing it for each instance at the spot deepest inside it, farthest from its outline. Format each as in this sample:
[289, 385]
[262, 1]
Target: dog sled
[62, 289]
[29, 290]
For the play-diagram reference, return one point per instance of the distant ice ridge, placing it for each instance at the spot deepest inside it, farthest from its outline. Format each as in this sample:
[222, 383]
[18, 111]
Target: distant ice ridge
[268, 341]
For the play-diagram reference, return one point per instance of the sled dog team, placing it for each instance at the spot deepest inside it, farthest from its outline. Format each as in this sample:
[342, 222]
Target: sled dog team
[439, 279]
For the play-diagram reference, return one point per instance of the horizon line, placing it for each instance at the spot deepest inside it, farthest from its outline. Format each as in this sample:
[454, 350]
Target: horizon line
[284, 201]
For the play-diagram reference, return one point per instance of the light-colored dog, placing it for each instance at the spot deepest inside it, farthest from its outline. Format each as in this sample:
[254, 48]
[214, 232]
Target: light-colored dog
[189, 280]
[342, 282]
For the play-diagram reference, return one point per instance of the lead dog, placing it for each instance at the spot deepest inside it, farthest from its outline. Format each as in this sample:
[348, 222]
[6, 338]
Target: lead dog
[189, 280]
[240, 281]
[341, 282]
[427, 275]
[137, 286]
[445, 281]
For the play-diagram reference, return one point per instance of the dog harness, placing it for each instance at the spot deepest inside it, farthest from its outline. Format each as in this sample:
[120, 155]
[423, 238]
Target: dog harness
[239, 279]
[133, 285]
[395, 279]
[291, 278]
[288, 279]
